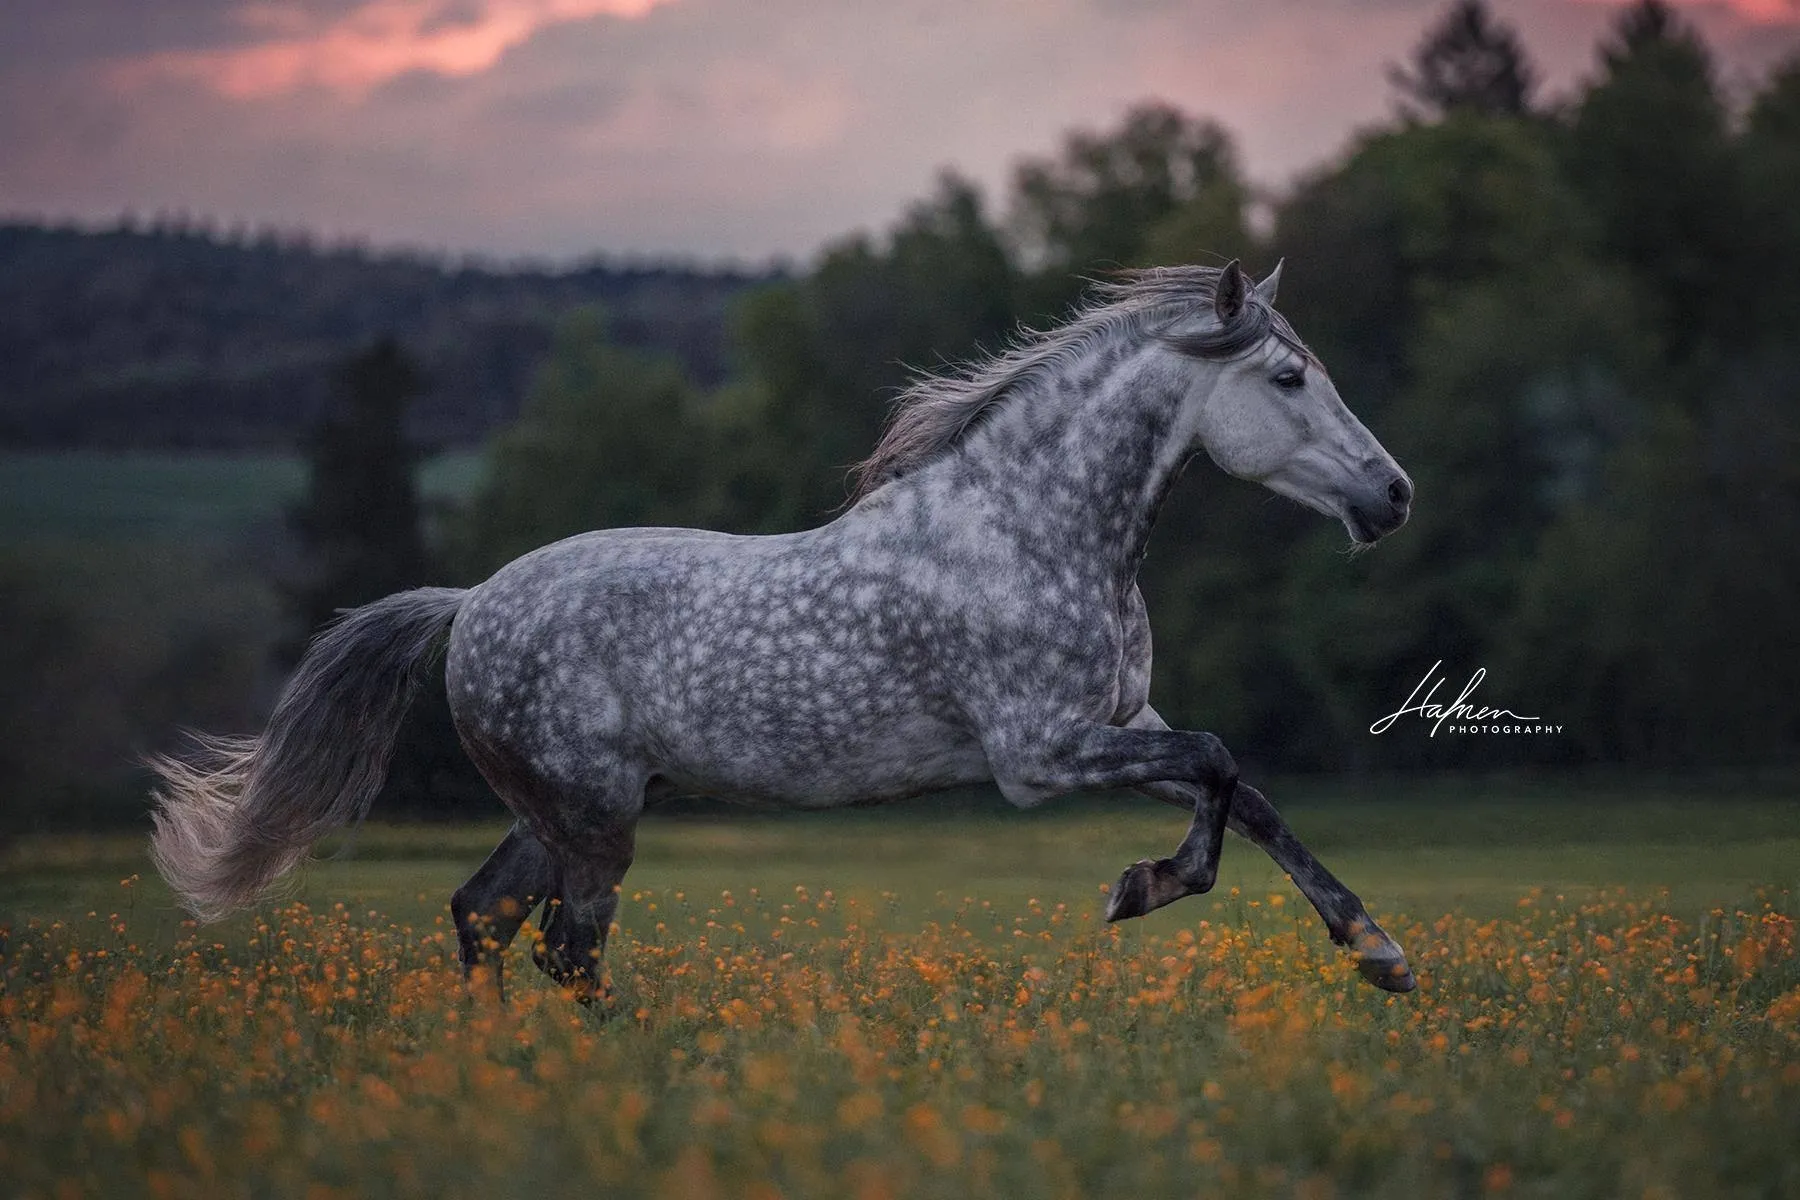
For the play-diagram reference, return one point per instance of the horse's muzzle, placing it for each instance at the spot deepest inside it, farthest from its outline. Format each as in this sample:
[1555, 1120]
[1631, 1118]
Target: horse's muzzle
[1374, 516]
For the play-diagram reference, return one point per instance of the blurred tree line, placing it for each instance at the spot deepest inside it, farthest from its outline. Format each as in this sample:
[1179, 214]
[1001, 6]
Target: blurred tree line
[1571, 321]
[182, 335]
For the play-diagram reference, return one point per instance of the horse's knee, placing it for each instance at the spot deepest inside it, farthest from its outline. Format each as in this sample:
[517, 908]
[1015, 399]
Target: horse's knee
[1217, 764]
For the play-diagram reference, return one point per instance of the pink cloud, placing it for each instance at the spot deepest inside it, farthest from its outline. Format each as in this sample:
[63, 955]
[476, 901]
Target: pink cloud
[713, 127]
[353, 52]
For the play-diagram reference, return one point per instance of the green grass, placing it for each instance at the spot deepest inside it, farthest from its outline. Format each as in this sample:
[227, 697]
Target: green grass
[95, 495]
[1468, 846]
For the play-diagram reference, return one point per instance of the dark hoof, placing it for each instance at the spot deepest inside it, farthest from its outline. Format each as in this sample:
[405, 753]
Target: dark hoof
[1131, 895]
[583, 988]
[579, 982]
[1389, 977]
[482, 981]
[1381, 961]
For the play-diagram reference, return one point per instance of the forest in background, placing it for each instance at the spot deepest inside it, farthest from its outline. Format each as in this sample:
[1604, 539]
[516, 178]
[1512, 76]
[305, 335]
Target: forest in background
[1571, 319]
[176, 334]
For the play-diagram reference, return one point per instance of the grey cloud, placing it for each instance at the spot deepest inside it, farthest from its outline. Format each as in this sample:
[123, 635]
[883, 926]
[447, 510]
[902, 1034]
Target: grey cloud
[453, 14]
[73, 32]
[557, 104]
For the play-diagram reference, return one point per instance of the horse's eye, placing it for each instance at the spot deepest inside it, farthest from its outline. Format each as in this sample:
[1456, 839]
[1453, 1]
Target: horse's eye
[1290, 380]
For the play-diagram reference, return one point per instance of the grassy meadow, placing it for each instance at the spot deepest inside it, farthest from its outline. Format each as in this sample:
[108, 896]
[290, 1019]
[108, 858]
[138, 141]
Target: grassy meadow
[899, 1003]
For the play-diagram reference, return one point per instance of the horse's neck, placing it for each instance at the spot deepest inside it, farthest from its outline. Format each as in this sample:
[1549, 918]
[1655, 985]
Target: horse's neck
[1083, 460]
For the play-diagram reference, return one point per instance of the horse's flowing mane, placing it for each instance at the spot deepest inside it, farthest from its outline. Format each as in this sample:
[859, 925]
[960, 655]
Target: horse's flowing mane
[939, 408]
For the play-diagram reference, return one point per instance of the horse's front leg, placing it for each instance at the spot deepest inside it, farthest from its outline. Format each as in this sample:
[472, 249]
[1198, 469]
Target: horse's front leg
[1147, 752]
[1149, 884]
[1250, 814]
[1378, 956]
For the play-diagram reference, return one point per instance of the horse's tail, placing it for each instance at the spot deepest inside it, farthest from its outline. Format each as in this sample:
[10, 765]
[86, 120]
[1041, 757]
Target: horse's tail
[230, 823]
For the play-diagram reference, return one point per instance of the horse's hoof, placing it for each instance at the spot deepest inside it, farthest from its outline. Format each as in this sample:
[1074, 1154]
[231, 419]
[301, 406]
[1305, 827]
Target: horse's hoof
[1131, 895]
[1380, 960]
[580, 985]
[1388, 976]
[585, 990]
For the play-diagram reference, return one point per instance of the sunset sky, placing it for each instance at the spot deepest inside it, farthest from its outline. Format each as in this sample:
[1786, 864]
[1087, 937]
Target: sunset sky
[699, 128]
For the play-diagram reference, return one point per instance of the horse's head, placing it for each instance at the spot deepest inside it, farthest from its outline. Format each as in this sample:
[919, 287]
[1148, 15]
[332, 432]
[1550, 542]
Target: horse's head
[1270, 414]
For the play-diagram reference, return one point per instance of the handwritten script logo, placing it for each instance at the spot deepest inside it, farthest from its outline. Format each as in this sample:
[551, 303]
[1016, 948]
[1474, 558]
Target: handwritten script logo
[1463, 716]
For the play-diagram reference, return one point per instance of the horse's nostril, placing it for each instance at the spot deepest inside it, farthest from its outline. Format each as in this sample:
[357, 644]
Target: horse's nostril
[1400, 492]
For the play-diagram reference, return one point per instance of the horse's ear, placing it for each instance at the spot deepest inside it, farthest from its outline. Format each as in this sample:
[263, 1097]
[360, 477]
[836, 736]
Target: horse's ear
[1266, 289]
[1230, 295]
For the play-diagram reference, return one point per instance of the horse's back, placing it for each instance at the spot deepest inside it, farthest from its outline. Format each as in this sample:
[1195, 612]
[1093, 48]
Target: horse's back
[536, 652]
[583, 569]
[761, 668]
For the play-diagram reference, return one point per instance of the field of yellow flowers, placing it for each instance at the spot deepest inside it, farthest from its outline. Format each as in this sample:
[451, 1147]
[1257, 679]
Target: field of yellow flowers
[799, 1041]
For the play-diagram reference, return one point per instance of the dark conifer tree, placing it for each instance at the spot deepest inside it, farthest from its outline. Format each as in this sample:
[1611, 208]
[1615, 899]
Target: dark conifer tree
[1468, 62]
[1650, 148]
[359, 524]
[361, 533]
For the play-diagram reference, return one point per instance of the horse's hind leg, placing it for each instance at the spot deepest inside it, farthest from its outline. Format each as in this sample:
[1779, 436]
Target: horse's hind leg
[592, 862]
[493, 904]
[585, 834]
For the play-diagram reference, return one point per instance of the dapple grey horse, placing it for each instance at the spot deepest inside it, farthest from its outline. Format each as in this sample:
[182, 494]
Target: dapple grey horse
[974, 615]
